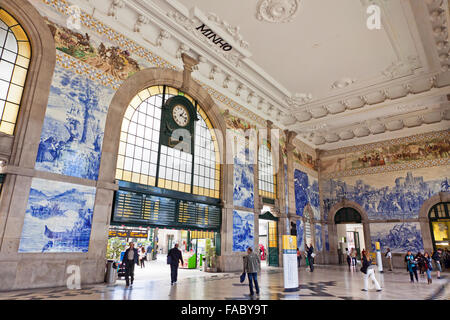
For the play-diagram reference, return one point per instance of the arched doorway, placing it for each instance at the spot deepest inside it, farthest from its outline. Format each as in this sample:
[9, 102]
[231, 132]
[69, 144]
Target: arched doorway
[168, 171]
[268, 238]
[350, 232]
[439, 217]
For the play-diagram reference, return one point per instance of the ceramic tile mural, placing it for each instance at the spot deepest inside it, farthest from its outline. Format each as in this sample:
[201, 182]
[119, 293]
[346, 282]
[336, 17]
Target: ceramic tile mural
[300, 233]
[399, 237]
[392, 195]
[306, 191]
[73, 128]
[318, 237]
[327, 240]
[434, 148]
[243, 193]
[58, 217]
[243, 230]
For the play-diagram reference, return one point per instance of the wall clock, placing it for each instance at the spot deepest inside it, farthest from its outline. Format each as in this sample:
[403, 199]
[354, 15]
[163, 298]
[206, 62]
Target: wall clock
[178, 124]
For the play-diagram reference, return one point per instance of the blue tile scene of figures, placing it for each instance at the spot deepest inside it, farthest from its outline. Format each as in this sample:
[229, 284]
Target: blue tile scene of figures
[306, 191]
[399, 237]
[300, 233]
[243, 230]
[318, 237]
[327, 241]
[243, 193]
[58, 217]
[392, 195]
[73, 129]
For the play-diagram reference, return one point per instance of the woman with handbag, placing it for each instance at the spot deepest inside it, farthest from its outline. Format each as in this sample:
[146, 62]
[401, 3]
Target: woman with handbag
[369, 272]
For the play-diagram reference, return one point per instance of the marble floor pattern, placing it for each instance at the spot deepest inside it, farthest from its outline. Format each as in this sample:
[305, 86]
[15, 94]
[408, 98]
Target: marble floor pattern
[325, 283]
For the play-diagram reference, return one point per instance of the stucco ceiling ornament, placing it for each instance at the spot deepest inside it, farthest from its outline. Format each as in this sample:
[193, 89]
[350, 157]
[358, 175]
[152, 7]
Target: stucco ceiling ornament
[342, 83]
[234, 31]
[277, 11]
[298, 99]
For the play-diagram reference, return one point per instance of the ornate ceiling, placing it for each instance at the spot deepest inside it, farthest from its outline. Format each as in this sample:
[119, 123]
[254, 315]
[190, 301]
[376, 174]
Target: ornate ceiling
[311, 66]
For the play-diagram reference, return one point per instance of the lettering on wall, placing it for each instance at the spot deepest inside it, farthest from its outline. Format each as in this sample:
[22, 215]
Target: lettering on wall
[217, 40]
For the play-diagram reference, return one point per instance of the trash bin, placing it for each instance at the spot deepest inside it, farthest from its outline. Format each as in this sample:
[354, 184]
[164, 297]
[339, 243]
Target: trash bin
[111, 274]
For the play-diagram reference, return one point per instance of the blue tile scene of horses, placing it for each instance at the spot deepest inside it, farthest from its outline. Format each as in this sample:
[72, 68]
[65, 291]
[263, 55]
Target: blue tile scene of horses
[243, 230]
[306, 191]
[399, 237]
[243, 193]
[391, 195]
[58, 217]
[73, 129]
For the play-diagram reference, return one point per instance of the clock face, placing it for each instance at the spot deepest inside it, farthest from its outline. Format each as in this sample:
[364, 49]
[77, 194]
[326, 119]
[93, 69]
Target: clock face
[180, 115]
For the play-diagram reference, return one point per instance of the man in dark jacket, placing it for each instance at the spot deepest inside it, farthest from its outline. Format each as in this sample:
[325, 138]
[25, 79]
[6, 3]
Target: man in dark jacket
[310, 252]
[130, 258]
[173, 258]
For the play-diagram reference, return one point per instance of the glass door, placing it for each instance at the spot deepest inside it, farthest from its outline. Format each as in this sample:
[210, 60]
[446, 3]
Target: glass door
[273, 244]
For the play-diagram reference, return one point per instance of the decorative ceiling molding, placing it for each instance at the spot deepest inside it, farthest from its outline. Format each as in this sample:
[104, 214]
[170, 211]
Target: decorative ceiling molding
[233, 31]
[115, 5]
[438, 16]
[402, 68]
[163, 35]
[277, 11]
[342, 83]
[392, 92]
[140, 22]
[298, 99]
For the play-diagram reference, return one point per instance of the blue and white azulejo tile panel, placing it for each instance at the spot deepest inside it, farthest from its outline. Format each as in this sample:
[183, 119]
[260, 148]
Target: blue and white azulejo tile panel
[318, 237]
[306, 191]
[243, 230]
[58, 217]
[399, 237]
[73, 129]
[243, 192]
[391, 195]
[300, 235]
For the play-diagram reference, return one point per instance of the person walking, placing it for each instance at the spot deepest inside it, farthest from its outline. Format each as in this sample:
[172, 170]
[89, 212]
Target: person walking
[142, 257]
[353, 258]
[429, 266]
[252, 265]
[349, 259]
[412, 266]
[421, 263]
[299, 258]
[130, 258]
[173, 258]
[388, 256]
[368, 270]
[149, 252]
[311, 255]
[437, 256]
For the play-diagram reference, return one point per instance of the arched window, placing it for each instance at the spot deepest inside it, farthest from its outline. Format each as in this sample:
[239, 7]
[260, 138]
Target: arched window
[15, 54]
[142, 159]
[440, 225]
[266, 172]
[347, 215]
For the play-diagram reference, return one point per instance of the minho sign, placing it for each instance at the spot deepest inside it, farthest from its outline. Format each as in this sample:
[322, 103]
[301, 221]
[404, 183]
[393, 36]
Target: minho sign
[217, 40]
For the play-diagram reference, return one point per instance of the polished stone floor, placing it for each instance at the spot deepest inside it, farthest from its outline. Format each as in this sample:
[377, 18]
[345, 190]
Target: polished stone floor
[325, 283]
